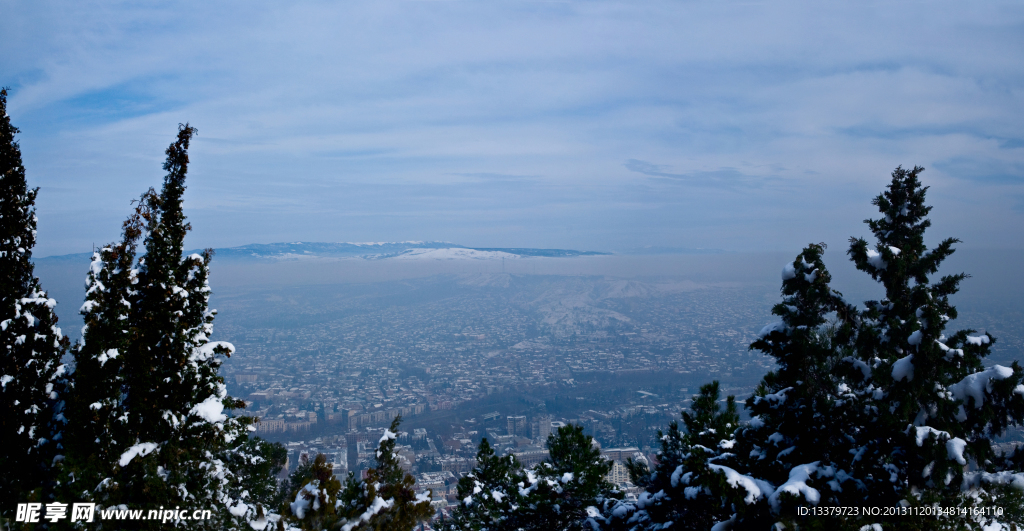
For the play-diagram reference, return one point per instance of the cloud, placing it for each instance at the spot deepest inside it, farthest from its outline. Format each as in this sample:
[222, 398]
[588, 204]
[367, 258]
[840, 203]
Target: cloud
[512, 117]
[498, 177]
[986, 170]
[721, 178]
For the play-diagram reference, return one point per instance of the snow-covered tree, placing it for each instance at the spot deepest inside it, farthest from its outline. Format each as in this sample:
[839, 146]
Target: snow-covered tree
[385, 500]
[564, 491]
[146, 422]
[314, 497]
[683, 488]
[94, 436]
[867, 408]
[938, 405]
[32, 345]
[489, 494]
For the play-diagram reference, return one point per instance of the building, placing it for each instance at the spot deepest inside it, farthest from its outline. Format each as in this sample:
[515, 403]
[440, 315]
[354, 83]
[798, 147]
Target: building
[619, 474]
[540, 428]
[532, 457]
[517, 425]
[267, 426]
[620, 454]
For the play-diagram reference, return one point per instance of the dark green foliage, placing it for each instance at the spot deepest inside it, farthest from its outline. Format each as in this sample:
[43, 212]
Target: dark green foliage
[936, 392]
[800, 415]
[388, 481]
[682, 483]
[563, 492]
[564, 486]
[314, 495]
[488, 494]
[707, 426]
[31, 344]
[95, 434]
[384, 501]
[867, 408]
[146, 425]
[255, 464]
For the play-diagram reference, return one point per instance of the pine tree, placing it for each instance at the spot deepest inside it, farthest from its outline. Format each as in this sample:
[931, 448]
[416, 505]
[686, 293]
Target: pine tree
[148, 423]
[938, 406]
[388, 484]
[97, 429]
[868, 408]
[489, 494]
[314, 494]
[802, 423]
[385, 500]
[30, 363]
[565, 490]
[683, 498]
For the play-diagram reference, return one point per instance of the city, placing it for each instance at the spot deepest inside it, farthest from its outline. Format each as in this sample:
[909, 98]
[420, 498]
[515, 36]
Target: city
[485, 355]
[506, 357]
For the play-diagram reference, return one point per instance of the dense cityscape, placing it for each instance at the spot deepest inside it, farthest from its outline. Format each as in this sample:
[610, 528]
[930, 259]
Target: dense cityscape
[486, 355]
[507, 357]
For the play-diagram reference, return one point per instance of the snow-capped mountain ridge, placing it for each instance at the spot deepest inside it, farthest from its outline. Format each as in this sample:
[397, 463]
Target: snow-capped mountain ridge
[383, 250]
[408, 250]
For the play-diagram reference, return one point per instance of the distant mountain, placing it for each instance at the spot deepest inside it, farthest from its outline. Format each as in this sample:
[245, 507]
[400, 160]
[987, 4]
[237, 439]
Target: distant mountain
[369, 251]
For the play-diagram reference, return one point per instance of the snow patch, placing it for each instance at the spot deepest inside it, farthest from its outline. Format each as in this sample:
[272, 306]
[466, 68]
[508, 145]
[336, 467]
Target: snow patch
[922, 432]
[797, 484]
[788, 271]
[977, 340]
[979, 384]
[756, 488]
[903, 368]
[141, 450]
[974, 480]
[955, 449]
[876, 260]
[777, 326]
[377, 506]
[915, 338]
[208, 351]
[454, 254]
[239, 510]
[211, 409]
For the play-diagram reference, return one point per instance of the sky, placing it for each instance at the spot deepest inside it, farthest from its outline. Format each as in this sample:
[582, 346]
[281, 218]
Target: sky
[610, 126]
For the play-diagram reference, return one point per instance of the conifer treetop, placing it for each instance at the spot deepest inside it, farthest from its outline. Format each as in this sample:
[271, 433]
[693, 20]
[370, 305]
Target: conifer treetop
[150, 426]
[872, 407]
[17, 217]
[31, 343]
[167, 226]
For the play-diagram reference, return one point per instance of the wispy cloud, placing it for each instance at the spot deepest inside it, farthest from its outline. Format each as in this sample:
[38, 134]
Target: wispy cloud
[507, 123]
[720, 178]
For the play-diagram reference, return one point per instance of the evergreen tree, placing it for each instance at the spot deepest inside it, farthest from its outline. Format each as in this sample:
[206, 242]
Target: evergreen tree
[315, 494]
[148, 428]
[489, 494]
[94, 437]
[937, 405]
[385, 500]
[564, 491]
[685, 499]
[388, 484]
[803, 423]
[868, 408]
[32, 344]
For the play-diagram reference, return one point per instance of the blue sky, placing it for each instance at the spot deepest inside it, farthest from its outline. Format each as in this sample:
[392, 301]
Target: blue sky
[589, 125]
